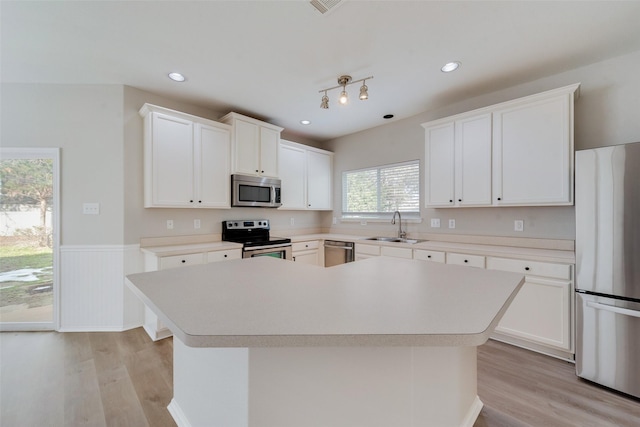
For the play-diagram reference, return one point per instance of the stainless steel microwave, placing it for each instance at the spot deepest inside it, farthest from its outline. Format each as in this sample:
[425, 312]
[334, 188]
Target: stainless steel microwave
[255, 191]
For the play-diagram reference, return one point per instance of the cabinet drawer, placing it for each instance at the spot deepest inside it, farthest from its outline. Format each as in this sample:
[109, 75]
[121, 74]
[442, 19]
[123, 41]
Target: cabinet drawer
[305, 246]
[396, 252]
[465, 259]
[425, 255]
[530, 268]
[225, 255]
[367, 249]
[181, 260]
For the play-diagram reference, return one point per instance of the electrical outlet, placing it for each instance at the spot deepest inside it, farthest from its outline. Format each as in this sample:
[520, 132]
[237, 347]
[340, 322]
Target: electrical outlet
[452, 223]
[169, 224]
[91, 208]
[363, 222]
[435, 222]
[335, 220]
[196, 223]
[292, 221]
[518, 225]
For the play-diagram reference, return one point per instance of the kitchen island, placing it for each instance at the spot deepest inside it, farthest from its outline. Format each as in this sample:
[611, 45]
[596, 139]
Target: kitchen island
[380, 342]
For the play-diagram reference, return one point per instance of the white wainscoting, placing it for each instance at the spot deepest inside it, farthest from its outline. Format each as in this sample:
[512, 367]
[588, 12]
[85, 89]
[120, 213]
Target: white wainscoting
[93, 295]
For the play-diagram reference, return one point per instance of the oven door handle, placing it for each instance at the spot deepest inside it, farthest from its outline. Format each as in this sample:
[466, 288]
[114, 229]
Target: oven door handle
[281, 245]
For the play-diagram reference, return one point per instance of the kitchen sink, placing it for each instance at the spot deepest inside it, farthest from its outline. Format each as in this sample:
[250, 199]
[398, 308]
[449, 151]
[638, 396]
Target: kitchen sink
[394, 240]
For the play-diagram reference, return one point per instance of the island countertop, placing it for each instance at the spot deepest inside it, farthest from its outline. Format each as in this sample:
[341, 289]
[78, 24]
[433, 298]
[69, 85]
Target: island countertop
[264, 302]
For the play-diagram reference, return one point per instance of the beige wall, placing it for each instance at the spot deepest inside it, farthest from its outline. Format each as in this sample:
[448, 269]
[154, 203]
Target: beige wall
[85, 121]
[606, 113]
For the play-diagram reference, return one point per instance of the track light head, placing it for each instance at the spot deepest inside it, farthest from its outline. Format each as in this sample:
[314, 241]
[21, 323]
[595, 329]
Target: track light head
[325, 101]
[364, 91]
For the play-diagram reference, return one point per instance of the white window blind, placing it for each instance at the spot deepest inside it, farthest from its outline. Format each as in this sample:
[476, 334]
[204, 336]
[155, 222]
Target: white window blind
[379, 191]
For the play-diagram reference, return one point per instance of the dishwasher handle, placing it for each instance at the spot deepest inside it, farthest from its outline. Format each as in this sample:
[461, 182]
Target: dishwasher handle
[619, 310]
[348, 248]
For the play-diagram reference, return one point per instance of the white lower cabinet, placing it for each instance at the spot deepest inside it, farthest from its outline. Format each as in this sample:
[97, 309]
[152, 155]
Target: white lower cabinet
[540, 316]
[426, 255]
[395, 252]
[366, 251]
[306, 252]
[152, 325]
[465, 259]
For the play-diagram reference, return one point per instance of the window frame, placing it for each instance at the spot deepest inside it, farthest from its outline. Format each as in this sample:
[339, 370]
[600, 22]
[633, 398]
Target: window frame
[409, 216]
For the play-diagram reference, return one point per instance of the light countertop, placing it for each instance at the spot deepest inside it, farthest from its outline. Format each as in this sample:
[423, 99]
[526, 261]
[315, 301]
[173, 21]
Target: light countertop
[264, 302]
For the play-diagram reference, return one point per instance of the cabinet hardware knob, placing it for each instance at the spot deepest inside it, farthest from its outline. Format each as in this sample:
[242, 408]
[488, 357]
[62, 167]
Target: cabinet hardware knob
[527, 268]
[225, 255]
[466, 260]
[184, 260]
[190, 201]
[459, 200]
[499, 198]
[450, 200]
[428, 256]
[256, 170]
[199, 201]
[261, 171]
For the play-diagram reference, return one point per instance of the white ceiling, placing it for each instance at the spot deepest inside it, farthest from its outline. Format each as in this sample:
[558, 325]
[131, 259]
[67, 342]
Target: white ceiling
[269, 59]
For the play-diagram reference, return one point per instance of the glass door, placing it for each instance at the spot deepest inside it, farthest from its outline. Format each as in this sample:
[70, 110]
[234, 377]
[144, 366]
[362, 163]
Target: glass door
[28, 238]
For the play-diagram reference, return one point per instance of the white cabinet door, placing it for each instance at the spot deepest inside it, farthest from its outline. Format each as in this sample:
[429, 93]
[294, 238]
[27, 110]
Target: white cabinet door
[246, 147]
[427, 255]
[319, 180]
[254, 145]
[213, 172]
[473, 161]
[541, 313]
[439, 158]
[169, 155]
[533, 152]
[181, 260]
[224, 255]
[269, 140]
[466, 260]
[307, 177]
[293, 175]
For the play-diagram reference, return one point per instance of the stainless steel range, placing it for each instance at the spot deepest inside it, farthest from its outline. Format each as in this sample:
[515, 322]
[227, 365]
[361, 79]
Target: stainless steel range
[255, 238]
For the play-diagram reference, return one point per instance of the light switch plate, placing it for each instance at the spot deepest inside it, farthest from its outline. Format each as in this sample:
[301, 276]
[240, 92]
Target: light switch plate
[169, 224]
[452, 223]
[435, 222]
[91, 208]
[196, 223]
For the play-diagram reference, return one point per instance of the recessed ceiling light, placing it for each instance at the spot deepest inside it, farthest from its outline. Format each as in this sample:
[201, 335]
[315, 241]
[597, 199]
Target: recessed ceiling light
[305, 122]
[176, 77]
[450, 66]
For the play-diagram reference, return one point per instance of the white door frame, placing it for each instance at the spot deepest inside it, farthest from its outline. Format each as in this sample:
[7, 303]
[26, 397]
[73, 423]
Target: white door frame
[53, 154]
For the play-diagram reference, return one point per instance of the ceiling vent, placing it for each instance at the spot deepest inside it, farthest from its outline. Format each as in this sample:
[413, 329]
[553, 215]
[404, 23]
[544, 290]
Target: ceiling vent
[325, 6]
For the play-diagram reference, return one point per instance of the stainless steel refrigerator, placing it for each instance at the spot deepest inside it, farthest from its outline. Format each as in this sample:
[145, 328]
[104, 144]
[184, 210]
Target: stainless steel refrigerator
[608, 266]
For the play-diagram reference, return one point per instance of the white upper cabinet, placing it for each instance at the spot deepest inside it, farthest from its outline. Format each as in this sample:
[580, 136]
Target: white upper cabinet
[517, 153]
[186, 160]
[439, 157]
[319, 180]
[293, 174]
[533, 150]
[307, 177]
[458, 158]
[473, 157]
[254, 146]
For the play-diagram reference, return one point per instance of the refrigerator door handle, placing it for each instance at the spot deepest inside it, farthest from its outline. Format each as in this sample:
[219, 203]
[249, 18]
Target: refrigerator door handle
[613, 309]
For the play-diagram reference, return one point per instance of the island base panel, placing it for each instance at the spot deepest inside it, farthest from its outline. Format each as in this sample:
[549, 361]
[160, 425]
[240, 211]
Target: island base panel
[320, 386]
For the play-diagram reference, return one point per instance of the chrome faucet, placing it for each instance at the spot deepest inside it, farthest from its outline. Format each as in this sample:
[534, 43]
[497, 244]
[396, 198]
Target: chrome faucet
[401, 234]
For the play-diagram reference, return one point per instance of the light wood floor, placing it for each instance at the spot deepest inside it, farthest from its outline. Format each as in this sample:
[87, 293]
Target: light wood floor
[125, 379]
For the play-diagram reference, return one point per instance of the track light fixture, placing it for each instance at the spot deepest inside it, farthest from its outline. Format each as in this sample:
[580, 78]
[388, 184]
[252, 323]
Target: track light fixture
[343, 82]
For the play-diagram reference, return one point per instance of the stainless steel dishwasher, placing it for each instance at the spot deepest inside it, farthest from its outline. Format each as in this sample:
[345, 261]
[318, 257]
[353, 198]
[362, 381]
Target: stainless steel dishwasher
[336, 253]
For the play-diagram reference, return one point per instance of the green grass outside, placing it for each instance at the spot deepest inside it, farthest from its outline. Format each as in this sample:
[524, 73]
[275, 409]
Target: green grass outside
[17, 257]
